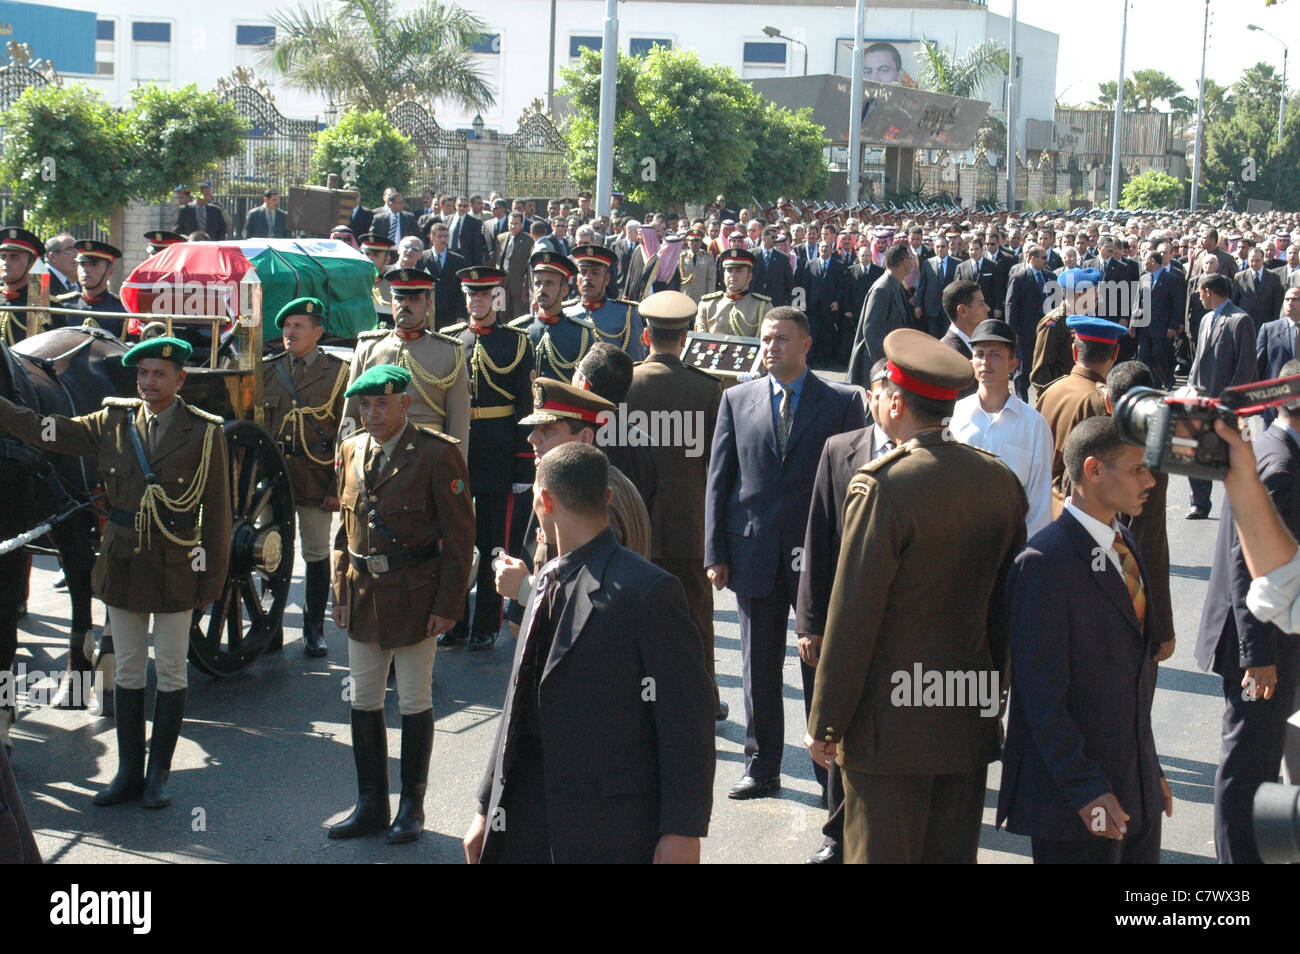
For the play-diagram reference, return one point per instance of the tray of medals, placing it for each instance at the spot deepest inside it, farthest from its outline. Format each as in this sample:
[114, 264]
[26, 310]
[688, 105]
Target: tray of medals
[729, 358]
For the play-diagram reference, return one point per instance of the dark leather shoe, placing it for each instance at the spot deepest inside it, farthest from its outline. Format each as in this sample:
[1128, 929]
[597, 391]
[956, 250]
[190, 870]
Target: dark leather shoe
[1196, 513]
[826, 855]
[482, 640]
[450, 638]
[721, 714]
[750, 787]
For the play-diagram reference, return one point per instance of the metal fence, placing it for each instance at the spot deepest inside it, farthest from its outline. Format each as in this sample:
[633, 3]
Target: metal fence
[536, 160]
[441, 155]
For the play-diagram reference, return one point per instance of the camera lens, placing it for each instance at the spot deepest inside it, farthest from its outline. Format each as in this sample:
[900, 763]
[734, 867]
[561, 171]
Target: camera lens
[1135, 413]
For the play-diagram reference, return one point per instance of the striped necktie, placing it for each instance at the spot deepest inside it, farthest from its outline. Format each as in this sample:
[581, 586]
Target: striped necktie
[1132, 578]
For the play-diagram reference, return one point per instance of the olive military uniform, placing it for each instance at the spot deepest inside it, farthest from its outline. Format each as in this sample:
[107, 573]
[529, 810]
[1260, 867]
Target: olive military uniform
[721, 314]
[1064, 403]
[1052, 349]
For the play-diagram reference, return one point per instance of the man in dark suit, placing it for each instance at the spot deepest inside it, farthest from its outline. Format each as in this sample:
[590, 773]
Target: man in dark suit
[601, 625]
[1289, 272]
[827, 292]
[362, 218]
[1080, 774]
[885, 310]
[1157, 317]
[1026, 291]
[1114, 270]
[443, 264]
[61, 263]
[980, 268]
[1047, 239]
[772, 273]
[768, 439]
[1259, 663]
[1225, 356]
[268, 220]
[1261, 291]
[393, 222]
[964, 307]
[200, 215]
[1276, 344]
[862, 275]
[1002, 261]
[465, 234]
[513, 250]
[937, 273]
[1227, 266]
[623, 246]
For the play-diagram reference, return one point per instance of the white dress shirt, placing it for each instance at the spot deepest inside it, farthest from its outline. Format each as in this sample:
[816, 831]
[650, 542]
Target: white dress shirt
[1022, 439]
[1104, 535]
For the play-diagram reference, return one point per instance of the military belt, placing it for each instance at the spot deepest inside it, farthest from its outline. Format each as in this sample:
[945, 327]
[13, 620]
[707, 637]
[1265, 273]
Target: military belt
[134, 520]
[488, 413]
[378, 564]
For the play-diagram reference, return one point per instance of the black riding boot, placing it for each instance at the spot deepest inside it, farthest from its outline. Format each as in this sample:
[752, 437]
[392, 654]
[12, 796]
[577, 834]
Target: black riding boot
[417, 746]
[74, 687]
[168, 714]
[313, 614]
[128, 784]
[370, 751]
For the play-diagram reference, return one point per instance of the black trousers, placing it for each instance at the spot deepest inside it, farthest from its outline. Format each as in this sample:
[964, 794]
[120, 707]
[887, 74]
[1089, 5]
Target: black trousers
[1200, 493]
[1025, 354]
[1156, 351]
[699, 597]
[1250, 748]
[763, 640]
[1141, 847]
[489, 535]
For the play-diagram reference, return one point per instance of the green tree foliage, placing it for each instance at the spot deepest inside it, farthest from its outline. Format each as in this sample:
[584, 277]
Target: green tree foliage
[176, 135]
[1242, 146]
[943, 71]
[685, 132]
[1149, 86]
[366, 150]
[1106, 95]
[360, 52]
[1153, 189]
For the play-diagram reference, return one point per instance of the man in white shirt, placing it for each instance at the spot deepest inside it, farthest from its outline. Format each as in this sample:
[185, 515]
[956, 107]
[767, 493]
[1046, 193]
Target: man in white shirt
[995, 420]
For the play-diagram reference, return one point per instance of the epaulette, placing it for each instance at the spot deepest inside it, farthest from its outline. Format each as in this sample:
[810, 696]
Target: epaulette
[711, 295]
[902, 450]
[987, 453]
[761, 297]
[432, 433]
[522, 322]
[571, 301]
[445, 337]
[121, 402]
[205, 415]
[706, 374]
[66, 296]
[374, 333]
[517, 329]
[455, 329]
[627, 301]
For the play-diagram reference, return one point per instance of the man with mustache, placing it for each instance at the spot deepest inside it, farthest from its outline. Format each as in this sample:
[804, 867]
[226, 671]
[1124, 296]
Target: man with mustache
[615, 320]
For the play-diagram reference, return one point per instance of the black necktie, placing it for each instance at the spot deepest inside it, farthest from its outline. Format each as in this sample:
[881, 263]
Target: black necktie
[372, 464]
[299, 369]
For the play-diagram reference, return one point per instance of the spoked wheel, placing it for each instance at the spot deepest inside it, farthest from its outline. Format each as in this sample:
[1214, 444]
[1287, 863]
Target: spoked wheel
[230, 634]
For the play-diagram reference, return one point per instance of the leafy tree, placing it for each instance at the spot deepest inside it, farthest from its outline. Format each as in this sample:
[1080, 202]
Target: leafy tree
[1106, 95]
[1153, 189]
[1152, 85]
[790, 159]
[359, 52]
[176, 135]
[365, 149]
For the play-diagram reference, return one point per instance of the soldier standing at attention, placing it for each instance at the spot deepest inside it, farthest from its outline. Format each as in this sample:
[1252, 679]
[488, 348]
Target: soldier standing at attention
[402, 559]
[1052, 355]
[661, 383]
[302, 390]
[160, 239]
[165, 548]
[434, 361]
[558, 340]
[615, 320]
[382, 251]
[736, 311]
[19, 250]
[500, 360]
[95, 261]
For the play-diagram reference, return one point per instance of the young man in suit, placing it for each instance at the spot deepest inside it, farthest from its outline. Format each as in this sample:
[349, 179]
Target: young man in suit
[980, 268]
[1261, 290]
[768, 439]
[514, 247]
[965, 308]
[885, 310]
[268, 220]
[465, 235]
[1258, 662]
[600, 625]
[1157, 317]
[1080, 773]
[1026, 292]
[393, 222]
[443, 264]
[773, 275]
[939, 271]
[1225, 356]
[827, 291]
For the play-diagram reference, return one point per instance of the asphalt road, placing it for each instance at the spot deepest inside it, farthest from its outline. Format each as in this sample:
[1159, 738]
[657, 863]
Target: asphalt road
[264, 763]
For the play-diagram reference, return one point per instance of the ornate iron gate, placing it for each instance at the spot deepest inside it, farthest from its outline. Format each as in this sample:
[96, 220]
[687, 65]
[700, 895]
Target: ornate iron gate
[536, 162]
[441, 155]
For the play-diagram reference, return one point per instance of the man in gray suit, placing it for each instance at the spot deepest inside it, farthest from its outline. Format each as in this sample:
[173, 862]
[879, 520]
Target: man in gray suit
[885, 310]
[1225, 357]
[268, 220]
[937, 273]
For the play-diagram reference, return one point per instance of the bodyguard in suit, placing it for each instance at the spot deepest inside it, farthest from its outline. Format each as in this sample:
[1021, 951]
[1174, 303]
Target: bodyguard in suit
[1259, 663]
[200, 215]
[828, 287]
[885, 310]
[1261, 291]
[1080, 774]
[938, 272]
[444, 265]
[514, 247]
[773, 275]
[392, 222]
[1276, 344]
[600, 626]
[61, 261]
[769, 437]
[1026, 292]
[862, 275]
[1288, 273]
[1227, 266]
[980, 268]
[930, 530]
[465, 235]
[1225, 356]
[1157, 318]
[268, 220]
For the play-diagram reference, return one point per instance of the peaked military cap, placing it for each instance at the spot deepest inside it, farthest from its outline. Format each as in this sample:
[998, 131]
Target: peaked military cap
[14, 237]
[926, 366]
[161, 238]
[90, 249]
[380, 380]
[736, 258]
[370, 241]
[408, 281]
[313, 307]
[558, 400]
[479, 277]
[593, 253]
[668, 311]
[548, 261]
[168, 349]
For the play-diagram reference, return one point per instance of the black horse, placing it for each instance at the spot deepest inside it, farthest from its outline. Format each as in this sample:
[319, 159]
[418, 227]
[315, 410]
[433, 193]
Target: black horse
[67, 371]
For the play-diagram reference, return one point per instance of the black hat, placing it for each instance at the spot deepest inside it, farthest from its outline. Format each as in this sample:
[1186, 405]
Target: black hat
[14, 237]
[593, 253]
[993, 330]
[408, 281]
[481, 277]
[736, 258]
[547, 261]
[90, 249]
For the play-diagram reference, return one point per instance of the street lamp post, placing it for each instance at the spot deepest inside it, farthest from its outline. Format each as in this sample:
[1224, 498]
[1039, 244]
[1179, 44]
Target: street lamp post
[1119, 115]
[775, 33]
[1281, 109]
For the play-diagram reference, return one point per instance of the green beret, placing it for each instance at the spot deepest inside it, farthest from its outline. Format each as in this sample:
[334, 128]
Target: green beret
[301, 306]
[381, 379]
[168, 349]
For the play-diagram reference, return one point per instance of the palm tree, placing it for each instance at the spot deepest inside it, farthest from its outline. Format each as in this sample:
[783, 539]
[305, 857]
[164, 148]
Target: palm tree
[358, 52]
[1151, 85]
[944, 72]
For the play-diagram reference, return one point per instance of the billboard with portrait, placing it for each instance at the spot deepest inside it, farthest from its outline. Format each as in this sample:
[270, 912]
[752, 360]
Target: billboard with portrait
[883, 61]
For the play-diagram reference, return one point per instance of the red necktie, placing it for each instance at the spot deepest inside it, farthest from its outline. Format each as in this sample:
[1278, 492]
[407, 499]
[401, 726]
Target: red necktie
[409, 335]
[735, 297]
[484, 330]
[549, 319]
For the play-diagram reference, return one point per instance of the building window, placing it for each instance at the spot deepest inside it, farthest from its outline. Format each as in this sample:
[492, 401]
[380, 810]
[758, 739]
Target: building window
[251, 41]
[488, 44]
[642, 45]
[105, 47]
[764, 59]
[151, 52]
[579, 43]
[487, 60]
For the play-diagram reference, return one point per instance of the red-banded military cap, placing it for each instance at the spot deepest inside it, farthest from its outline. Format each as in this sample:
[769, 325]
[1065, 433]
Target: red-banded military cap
[16, 238]
[736, 258]
[592, 254]
[925, 366]
[161, 238]
[372, 242]
[88, 249]
[478, 277]
[548, 261]
[408, 281]
[558, 400]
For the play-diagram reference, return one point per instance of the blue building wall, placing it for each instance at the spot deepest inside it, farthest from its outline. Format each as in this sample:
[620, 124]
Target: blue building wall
[64, 37]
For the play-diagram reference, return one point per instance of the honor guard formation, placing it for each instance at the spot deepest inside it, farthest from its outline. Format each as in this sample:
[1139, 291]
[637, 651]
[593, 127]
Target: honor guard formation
[565, 433]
